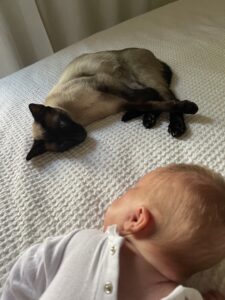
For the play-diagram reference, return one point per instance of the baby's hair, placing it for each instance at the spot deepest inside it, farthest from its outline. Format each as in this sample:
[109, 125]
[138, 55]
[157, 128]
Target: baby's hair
[191, 201]
[200, 170]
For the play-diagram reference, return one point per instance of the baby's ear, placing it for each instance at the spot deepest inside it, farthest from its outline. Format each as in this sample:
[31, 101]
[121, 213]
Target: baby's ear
[38, 148]
[140, 222]
[38, 111]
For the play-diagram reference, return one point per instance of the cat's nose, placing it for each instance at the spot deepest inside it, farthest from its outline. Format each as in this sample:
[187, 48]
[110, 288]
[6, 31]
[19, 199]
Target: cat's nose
[81, 135]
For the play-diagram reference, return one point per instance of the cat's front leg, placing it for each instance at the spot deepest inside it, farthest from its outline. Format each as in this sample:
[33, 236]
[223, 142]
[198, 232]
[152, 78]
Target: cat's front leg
[131, 114]
[149, 118]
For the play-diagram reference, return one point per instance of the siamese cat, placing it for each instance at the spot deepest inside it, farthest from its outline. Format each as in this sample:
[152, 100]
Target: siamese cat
[96, 85]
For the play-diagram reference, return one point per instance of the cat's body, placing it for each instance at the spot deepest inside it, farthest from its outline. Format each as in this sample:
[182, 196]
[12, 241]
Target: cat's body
[97, 85]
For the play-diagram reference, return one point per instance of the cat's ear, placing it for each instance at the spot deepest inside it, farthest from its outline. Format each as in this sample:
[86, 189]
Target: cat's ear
[38, 148]
[38, 111]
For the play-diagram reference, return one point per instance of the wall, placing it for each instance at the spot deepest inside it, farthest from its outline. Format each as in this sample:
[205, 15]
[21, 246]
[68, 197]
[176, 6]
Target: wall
[68, 21]
[33, 29]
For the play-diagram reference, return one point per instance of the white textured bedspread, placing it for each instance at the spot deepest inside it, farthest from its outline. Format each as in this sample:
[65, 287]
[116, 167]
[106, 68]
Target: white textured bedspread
[55, 193]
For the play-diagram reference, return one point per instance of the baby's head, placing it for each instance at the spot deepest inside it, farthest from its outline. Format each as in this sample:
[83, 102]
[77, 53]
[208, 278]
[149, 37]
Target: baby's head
[178, 210]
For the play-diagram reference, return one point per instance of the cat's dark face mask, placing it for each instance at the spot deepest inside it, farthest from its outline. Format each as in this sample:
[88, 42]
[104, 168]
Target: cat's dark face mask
[53, 130]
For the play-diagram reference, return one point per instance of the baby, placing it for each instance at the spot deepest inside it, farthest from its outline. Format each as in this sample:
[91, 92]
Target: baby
[170, 225]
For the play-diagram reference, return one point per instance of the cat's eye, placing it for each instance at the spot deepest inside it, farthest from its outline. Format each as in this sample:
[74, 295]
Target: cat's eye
[62, 124]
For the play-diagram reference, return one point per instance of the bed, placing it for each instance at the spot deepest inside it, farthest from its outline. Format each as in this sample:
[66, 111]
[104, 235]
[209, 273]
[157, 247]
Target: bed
[55, 193]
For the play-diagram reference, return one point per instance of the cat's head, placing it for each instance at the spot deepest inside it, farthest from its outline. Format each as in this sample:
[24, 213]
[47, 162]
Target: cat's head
[53, 130]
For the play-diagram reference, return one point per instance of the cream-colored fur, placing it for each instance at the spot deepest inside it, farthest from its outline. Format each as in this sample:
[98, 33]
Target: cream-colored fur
[84, 104]
[76, 90]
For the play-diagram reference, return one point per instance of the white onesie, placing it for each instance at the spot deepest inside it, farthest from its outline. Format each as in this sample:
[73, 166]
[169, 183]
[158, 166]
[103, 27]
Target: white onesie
[83, 265]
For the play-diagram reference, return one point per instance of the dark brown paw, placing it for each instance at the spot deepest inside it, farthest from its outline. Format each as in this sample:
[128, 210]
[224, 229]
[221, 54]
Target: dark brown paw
[131, 114]
[188, 107]
[149, 120]
[177, 127]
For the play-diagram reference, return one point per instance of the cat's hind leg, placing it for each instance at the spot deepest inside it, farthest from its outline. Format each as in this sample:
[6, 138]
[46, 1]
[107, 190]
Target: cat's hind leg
[177, 125]
[167, 73]
[149, 117]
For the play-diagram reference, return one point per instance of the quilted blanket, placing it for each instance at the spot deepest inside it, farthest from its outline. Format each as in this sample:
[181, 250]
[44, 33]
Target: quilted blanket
[55, 193]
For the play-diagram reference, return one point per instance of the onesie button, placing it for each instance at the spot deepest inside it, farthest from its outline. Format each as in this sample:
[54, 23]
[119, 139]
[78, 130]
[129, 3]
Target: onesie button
[113, 250]
[108, 287]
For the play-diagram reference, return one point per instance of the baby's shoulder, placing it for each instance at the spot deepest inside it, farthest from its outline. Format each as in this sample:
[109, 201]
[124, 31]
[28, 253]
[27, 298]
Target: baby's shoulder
[84, 239]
